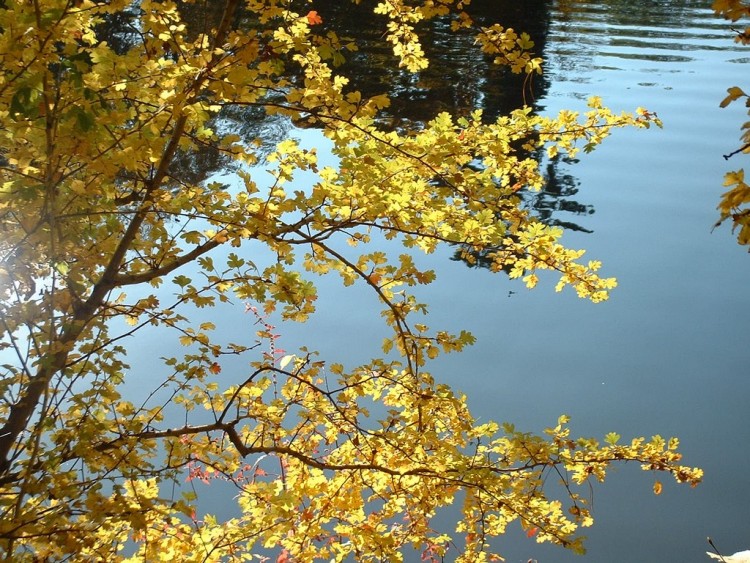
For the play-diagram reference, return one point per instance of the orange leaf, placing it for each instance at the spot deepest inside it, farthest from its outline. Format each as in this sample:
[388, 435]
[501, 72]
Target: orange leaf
[531, 532]
[313, 18]
[215, 368]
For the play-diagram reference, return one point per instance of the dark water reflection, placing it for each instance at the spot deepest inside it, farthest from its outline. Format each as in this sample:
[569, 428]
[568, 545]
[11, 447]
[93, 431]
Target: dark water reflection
[460, 78]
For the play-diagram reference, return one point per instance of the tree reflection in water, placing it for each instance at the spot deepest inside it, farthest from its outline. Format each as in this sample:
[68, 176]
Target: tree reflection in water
[459, 80]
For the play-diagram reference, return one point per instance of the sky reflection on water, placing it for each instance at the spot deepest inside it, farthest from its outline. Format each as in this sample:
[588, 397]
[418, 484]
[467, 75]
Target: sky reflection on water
[668, 353]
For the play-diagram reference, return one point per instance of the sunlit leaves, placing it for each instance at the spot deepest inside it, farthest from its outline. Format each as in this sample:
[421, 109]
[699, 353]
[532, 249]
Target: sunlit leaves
[510, 48]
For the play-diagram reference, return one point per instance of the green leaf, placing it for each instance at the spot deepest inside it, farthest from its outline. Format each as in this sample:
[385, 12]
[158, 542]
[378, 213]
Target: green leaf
[84, 119]
[612, 438]
[181, 280]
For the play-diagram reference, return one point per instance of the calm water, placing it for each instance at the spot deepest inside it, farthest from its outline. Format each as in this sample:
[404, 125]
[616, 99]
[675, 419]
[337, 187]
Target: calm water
[668, 354]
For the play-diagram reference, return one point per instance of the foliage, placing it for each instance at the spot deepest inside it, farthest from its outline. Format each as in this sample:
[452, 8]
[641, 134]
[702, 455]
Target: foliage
[104, 236]
[735, 203]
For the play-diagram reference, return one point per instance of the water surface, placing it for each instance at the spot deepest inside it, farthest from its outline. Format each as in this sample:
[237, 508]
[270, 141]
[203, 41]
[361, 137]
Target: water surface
[668, 354]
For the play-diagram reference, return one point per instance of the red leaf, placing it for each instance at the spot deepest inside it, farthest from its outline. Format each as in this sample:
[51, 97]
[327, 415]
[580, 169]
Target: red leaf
[313, 18]
[531, 532]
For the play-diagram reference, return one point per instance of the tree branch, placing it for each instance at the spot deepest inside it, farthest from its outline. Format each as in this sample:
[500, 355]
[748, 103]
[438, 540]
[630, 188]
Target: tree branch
[739, 150]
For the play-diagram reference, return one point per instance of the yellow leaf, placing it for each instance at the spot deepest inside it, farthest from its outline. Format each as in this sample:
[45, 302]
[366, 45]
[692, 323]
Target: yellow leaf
[734, 93]
[283, 362]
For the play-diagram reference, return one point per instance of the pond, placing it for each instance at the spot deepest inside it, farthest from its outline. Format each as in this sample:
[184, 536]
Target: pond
[668, 354]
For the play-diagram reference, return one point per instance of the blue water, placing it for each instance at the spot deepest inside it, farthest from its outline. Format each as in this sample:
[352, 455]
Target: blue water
[668, 354]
